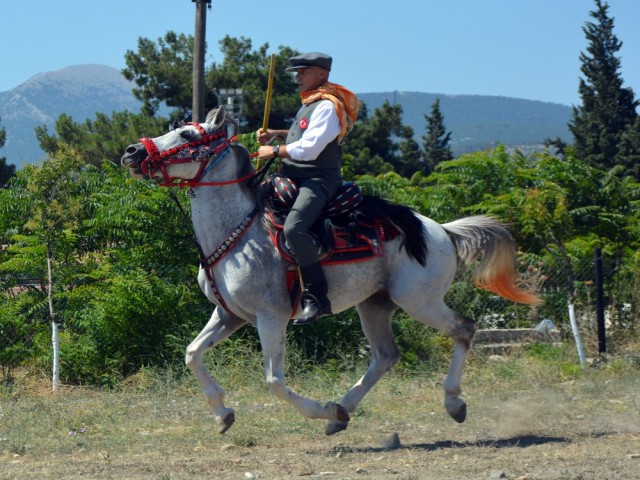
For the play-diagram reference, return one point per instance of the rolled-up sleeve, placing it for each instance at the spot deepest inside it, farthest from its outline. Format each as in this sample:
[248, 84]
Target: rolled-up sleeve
[324, 127]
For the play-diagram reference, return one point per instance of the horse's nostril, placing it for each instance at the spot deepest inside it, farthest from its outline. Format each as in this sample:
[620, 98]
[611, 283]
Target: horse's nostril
[131, 149]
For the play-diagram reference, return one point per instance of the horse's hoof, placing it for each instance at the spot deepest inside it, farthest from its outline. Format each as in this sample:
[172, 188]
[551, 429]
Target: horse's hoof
[226, 422]
[340, 414]
[457, 409]
[461, 415]
[335, 427]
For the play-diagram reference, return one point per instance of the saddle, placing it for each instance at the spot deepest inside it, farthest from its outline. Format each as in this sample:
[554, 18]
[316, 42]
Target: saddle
[343, 234]
[352, 228]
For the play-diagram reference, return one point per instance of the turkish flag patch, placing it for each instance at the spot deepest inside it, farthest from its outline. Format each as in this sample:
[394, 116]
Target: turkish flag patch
[304, 123]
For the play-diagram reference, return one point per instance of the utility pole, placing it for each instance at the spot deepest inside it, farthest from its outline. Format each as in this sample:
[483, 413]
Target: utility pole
[197, 114]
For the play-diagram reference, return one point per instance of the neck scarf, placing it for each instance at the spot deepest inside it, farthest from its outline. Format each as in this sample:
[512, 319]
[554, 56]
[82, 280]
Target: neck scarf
[345, 101]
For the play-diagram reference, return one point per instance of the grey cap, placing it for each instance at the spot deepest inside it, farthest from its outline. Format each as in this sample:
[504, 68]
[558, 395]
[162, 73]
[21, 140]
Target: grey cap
[310, 59]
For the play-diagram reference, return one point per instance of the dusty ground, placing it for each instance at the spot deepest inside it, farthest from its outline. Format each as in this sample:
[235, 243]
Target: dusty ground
[581, 429]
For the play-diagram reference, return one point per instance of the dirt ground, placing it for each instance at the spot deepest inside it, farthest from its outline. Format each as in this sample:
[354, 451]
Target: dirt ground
[559, 432]
[575, 430]
[602, 456]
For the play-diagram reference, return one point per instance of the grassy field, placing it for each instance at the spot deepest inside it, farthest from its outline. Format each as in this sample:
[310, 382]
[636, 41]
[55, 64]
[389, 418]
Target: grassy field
[532, 415]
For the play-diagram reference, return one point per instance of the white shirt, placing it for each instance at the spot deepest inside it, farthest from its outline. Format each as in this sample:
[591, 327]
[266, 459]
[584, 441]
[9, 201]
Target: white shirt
[324, 127]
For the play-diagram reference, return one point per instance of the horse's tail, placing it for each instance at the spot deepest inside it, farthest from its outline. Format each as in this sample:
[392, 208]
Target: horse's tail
[485, 237]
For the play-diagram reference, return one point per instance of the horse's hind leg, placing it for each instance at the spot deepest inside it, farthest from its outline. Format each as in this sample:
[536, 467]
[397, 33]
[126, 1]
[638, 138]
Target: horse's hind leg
[462, 335]
[462, 330]
[219, 327]
[375, 314]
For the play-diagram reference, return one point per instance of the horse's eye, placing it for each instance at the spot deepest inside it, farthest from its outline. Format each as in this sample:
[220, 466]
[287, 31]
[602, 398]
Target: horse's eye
[186, 134]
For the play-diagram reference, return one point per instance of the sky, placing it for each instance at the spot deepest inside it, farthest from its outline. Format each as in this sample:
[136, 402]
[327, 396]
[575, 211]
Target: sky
[515, 48]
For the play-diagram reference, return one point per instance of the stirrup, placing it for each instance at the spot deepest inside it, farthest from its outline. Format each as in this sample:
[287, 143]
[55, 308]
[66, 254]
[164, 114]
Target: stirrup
[314, 308]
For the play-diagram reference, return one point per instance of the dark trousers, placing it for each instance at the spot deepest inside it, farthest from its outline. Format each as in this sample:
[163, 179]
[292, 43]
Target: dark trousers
[314, 194]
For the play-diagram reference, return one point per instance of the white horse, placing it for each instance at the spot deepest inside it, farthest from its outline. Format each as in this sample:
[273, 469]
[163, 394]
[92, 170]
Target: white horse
[244, 274]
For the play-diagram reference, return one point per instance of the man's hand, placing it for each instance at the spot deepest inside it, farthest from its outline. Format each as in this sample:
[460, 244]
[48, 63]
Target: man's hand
[266, 152]
[265, 137]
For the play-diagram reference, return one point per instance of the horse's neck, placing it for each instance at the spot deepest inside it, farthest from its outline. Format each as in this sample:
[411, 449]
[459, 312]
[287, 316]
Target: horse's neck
[218, 211]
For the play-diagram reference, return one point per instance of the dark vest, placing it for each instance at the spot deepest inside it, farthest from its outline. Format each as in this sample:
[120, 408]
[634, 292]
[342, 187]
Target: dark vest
[329, 158]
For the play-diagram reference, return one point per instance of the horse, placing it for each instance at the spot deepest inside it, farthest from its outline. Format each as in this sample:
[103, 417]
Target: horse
[244, 274]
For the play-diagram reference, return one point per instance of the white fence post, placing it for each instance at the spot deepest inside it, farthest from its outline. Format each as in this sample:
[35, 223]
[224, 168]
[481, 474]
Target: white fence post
[576, 336]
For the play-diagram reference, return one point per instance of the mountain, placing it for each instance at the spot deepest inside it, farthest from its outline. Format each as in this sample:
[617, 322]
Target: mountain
[479, 121]
[475, 121]
[80, 91]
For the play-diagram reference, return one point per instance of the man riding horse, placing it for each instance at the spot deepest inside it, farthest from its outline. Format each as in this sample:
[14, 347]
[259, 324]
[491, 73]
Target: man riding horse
[312, 158]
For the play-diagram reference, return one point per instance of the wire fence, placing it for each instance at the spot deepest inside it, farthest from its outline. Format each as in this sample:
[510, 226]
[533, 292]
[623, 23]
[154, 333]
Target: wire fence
[561, 282]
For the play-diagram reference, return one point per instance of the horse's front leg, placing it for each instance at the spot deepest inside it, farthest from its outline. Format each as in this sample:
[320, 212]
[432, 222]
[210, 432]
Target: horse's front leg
[271, 330]
[220, 326]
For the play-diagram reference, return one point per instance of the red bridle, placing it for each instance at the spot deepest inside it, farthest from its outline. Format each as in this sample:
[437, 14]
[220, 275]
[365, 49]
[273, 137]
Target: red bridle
[195, 151]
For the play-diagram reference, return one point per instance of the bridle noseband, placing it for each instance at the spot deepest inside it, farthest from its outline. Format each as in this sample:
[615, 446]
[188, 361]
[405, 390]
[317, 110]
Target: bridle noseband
[201, 150]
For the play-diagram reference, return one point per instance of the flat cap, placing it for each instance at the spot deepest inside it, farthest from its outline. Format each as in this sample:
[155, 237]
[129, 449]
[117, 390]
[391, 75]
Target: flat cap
[310, 59]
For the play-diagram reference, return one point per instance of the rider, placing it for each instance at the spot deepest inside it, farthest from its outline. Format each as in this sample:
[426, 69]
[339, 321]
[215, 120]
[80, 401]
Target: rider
[312, 158]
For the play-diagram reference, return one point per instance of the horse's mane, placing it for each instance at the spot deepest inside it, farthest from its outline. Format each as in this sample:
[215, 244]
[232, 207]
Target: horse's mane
[219, 119]
[244, 168]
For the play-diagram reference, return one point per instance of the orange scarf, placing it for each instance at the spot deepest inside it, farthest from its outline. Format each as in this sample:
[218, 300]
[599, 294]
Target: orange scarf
[345, 101]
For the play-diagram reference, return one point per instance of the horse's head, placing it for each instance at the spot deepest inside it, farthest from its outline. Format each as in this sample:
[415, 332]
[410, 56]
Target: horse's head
[182, 154]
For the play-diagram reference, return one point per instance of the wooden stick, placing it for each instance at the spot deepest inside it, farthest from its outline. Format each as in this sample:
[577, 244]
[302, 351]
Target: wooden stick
[267, 103]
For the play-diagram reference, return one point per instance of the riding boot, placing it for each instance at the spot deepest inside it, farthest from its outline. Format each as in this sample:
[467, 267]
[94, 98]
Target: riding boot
[315, 303]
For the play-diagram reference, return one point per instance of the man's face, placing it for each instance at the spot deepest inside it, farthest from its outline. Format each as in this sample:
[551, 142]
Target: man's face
[310, 78]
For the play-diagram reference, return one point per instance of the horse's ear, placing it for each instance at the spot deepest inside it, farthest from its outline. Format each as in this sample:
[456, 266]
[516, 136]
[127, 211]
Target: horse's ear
[216, 117]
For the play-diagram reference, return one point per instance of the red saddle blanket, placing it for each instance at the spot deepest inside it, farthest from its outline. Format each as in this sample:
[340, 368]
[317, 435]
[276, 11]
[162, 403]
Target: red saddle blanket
[346, 245]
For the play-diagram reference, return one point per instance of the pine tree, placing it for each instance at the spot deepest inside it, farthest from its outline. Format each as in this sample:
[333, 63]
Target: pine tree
[6, 170]
[410, 161]
[629, 150]
[436, 141]
[607, 108]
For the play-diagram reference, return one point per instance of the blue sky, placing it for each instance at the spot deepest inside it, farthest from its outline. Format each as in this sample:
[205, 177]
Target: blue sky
[516, 48]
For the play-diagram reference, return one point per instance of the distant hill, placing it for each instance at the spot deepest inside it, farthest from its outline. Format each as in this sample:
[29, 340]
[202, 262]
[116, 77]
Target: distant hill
[80, 91]
[83, 90]
[478, 121]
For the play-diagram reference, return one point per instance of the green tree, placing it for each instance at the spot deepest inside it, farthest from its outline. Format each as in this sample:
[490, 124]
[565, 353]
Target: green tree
[436, 141]
[372, 145]
[162, 73]
[123, 265]
[244, 67]
[45, 247]
[138, 304]
[103, 139]
[458, 188]
[6, 170]
[410, 157]
[629, 150]
[608, 108]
